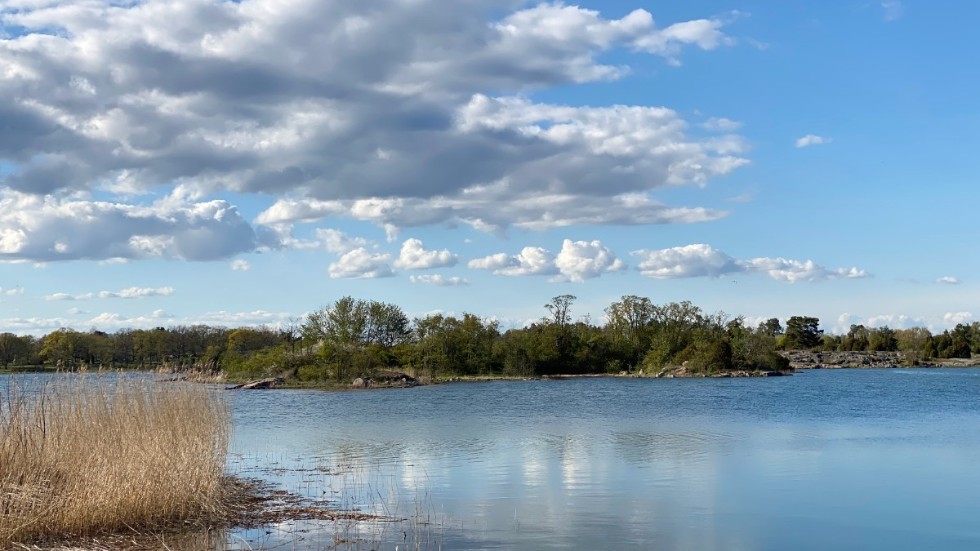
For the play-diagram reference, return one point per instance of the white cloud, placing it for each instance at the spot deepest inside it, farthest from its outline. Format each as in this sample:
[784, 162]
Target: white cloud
[530, 261]
[439, 280]
[138, 292]
[495, 207]
[414, 256]
[240, 265]
[581, 260]
[795, 270]
[128, 293]
[954, 318]
[252, 318]
[894, 321]
[697, 260]
[108, 321]
[892, 10]
[48, 228]
[339, 242]
[286, 210]
[948, 280]
[721, 124]
[577, 261]
[68, 296]
[812, 139]
[361, 264]
[120, 97]
[16, 291]
[492, 262]
[700, 260]
[935, 324]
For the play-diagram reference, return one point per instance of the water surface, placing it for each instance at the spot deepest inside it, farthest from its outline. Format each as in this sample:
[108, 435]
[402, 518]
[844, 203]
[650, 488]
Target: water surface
[844, 459]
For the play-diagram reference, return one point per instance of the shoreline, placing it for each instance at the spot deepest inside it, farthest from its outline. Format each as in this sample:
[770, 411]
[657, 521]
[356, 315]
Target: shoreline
[800, 360]
[806, 359]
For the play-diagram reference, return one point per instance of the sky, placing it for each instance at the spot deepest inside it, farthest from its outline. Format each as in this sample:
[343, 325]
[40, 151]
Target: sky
[172, 162]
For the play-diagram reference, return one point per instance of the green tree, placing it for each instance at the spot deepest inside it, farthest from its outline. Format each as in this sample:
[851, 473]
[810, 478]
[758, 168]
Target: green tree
[771, 327]
[387, 325]
[62, 348]
[857, 339]
[674, 328]
[803, 332]
[13, 349]
[561, 319]
[629, 324]
[957, 344]
[883, 339]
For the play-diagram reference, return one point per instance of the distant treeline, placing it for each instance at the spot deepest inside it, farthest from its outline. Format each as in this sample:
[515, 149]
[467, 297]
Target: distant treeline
[356, 338]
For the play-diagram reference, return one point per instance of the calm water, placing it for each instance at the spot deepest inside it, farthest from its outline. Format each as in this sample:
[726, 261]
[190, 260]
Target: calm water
[854, 459]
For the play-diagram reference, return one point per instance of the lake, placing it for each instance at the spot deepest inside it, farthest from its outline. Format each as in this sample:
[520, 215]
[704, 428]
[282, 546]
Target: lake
[843, 459]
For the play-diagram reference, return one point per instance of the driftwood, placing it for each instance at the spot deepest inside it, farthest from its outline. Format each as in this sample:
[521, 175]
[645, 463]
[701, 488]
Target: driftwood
[259, 384]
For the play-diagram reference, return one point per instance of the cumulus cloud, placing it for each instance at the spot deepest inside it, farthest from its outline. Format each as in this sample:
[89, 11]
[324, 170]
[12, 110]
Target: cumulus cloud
[115, 99]
[360, 263]
[700, 260]
[577, 261]
[530, 261]
[49, 228]
[688, 261]
[948, 280]
[337, 241]
[783, 269]
[240, 265]
[812, 139]
[493, 208]
[581, 260]
[16, 291]
[934, 323]
[414, 256]
[128, 293]
[954, 318]
[439, 280]
[894, 321]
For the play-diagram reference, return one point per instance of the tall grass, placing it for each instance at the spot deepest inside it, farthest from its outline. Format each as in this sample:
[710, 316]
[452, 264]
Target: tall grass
[87, 456]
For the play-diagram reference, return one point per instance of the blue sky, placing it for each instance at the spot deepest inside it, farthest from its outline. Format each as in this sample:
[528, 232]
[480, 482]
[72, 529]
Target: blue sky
[166, 163]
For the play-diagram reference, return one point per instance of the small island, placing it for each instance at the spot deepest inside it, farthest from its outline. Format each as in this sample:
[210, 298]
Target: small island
[357, 343]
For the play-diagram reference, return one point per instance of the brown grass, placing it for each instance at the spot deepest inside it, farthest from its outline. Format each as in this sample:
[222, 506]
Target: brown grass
[90, 456]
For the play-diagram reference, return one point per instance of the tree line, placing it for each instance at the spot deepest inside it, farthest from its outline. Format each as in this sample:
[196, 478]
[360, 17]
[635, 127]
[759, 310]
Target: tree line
[358, 338]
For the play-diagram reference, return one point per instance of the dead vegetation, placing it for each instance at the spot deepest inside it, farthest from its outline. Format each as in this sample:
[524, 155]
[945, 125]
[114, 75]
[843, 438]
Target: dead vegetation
[91, 456]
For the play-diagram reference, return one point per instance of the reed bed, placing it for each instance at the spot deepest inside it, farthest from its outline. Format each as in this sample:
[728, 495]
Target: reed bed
[86, 456]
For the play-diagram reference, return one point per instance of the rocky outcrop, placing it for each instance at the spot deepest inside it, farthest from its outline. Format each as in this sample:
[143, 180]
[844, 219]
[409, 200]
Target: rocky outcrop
[260, 384]
[389, 379]
[683, 372]
[805, 359]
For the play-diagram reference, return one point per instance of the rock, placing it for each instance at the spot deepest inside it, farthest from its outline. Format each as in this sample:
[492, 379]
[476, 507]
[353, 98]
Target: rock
[260, 384]
[359, 383]
[804, 359]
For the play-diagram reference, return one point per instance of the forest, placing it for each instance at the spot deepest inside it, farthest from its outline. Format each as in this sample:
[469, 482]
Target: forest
[359, 338]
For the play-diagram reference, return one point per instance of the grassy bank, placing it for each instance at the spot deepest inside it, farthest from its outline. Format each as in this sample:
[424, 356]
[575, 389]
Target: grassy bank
[91, 456]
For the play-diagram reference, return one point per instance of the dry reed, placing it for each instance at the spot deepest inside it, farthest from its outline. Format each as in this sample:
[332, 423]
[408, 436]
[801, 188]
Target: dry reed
[90, 455]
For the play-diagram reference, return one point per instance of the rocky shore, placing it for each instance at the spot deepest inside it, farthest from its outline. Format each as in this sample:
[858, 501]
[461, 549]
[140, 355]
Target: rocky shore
[805, 359]
[683, 372]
